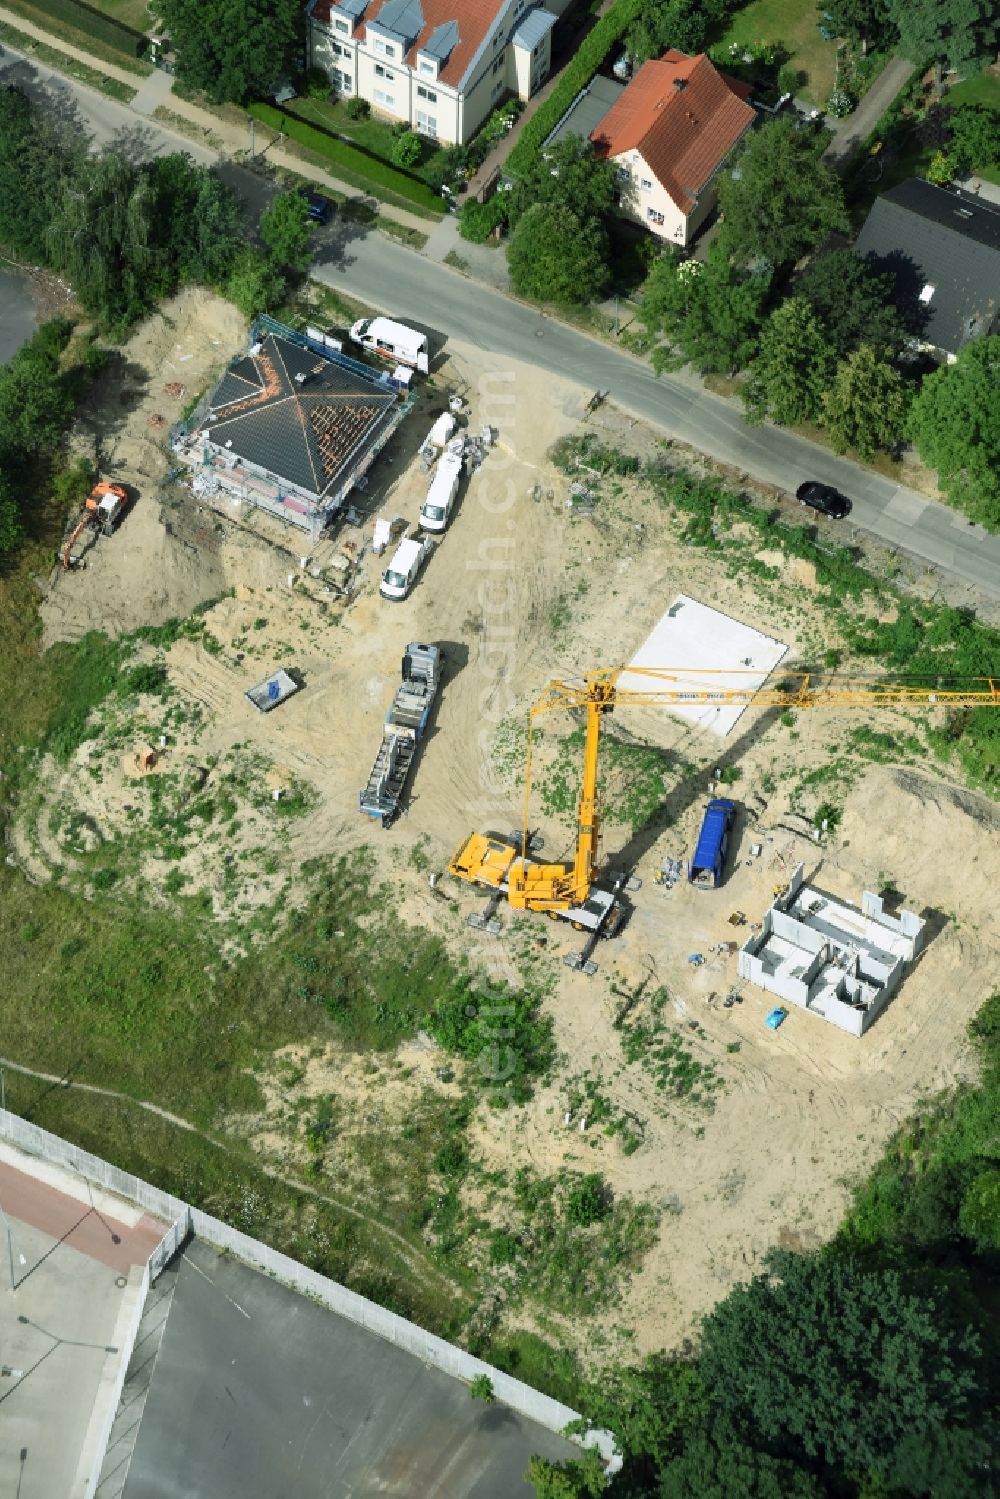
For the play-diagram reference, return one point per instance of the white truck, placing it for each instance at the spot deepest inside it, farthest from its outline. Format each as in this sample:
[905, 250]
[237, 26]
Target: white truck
[402, 572]
[435, 512]
[392, 341]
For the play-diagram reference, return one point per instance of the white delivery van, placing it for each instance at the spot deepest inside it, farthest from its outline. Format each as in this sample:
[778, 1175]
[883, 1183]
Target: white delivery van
[401, 574]
[435, 512]
[389, 340]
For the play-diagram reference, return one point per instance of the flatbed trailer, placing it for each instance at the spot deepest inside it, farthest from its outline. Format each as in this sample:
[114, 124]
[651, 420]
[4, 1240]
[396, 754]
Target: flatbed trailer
[405, 725]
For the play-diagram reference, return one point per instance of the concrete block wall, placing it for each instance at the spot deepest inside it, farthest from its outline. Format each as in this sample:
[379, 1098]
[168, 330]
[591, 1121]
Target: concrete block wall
[532, 1404]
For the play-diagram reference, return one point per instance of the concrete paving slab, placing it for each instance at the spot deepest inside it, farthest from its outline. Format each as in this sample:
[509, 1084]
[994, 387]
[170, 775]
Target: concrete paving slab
[711, 652]
[69, 1281]
[256, 1391]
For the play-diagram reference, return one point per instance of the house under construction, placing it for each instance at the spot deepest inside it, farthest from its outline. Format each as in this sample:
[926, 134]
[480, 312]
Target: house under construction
[291, 427]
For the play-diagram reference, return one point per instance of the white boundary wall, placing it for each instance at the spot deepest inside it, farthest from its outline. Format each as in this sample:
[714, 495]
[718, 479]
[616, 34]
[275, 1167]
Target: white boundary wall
[185, 1220]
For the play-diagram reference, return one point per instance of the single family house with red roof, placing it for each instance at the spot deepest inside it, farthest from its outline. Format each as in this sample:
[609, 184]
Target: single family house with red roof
[669, 132]
[441, 65]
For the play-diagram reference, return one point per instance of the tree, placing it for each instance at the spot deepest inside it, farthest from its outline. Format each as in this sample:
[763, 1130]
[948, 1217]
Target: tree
[285, 230]
[234, 50]
[11, 529]
[777, 198]
[554, 255]
[104, 235]
[577, 1478]
[792, 368]
[822, 1359]
[865, 21]
[198, 219]
[667, 23]
[852, 301]
[718, 1464]
[975, 139]
[407, 149]
[964, 34]
[865, 407]
[979, 1217]
[35, 150]
[254, 283]
[955, 424]
[710, 312]
[570, 176]
[36, 404]
[652, 1409]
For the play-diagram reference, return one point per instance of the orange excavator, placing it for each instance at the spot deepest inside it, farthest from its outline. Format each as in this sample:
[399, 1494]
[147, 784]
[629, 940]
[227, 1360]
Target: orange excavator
[102, 510]
[570, 891]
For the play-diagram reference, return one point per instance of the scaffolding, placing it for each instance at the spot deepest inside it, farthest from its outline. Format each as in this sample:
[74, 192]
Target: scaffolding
[346, 439]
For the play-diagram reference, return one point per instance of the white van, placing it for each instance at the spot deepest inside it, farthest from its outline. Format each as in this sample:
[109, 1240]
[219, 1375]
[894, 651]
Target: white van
[435, 512]
[401, 574]
[389, 340]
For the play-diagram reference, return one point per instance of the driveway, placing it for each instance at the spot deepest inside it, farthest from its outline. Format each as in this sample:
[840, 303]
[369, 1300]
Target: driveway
[850, 134]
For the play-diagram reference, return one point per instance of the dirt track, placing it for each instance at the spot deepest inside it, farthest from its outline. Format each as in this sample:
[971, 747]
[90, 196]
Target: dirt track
[518, 592]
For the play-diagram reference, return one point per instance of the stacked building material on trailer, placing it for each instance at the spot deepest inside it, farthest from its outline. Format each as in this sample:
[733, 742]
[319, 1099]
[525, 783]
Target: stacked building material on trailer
[405, 724]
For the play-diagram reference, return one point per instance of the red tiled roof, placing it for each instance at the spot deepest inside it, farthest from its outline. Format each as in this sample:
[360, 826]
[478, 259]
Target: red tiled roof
[474, 19]
[683, 117]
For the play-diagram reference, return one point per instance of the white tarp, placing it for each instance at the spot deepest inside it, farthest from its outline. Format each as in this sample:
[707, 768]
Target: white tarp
[710, 652]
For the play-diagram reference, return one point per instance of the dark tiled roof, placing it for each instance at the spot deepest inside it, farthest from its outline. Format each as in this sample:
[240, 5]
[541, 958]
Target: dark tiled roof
[944, 238]
[308, 431]
[683, 117]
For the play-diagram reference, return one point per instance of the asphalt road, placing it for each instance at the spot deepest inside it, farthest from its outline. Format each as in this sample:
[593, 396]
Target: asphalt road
[257, 1392]
[394, 279]
[443, 302]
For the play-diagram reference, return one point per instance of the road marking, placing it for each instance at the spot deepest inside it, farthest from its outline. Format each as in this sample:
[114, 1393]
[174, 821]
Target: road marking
[218, 1288]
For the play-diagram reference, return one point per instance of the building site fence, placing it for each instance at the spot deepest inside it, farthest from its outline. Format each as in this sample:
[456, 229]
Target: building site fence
[186, 1220]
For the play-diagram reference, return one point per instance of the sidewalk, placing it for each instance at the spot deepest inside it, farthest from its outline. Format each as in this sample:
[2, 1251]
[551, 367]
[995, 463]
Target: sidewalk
[157, 91]
[851, 133]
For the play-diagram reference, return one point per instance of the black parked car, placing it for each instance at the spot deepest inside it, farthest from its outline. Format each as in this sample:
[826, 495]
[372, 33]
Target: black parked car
[825, 499]
[318, 208]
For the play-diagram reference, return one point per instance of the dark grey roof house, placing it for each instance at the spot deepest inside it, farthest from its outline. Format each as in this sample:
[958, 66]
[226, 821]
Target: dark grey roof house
[943, 247]
[291, 427]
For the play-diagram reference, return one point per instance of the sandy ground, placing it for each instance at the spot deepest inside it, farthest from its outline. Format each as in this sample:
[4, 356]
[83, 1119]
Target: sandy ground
[519, 591]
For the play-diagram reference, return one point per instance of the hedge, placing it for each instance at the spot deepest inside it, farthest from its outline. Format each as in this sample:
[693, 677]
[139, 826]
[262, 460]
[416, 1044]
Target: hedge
[350, 158]
[591, 54]
[96, 24]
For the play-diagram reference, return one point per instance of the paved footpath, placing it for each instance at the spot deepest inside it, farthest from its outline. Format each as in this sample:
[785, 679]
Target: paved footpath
[158, 90]
[850, 134]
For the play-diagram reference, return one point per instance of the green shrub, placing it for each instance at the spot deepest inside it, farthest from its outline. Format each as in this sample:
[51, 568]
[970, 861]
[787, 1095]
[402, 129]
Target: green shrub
[347, 156]
[588, 58]
[357, 108]
[477, 221]
[588, 1201]
[407, 149]
[317, 84]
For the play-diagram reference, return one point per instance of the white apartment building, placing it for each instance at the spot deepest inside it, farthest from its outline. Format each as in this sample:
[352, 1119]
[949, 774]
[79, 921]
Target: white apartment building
[441, 65]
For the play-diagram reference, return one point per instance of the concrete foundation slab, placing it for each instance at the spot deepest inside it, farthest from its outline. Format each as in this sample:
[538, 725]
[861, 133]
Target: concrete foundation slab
[713, 652]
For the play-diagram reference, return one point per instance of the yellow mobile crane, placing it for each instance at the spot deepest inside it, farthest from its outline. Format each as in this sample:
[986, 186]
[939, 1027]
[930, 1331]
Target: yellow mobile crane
[568, 890]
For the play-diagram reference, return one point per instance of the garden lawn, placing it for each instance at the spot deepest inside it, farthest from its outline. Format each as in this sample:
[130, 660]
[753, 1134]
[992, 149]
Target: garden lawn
[795, 25]
[133, 13]
[983, 89]
[376, 136]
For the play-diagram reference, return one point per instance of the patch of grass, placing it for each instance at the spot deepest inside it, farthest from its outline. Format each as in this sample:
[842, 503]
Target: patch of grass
[114, 88]
[53, 19]
[349, 162]
[633, 779]
[794, 26]
[665, 1054]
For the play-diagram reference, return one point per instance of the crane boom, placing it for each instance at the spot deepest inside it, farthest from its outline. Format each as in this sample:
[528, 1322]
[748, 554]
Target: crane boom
[562, 888]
